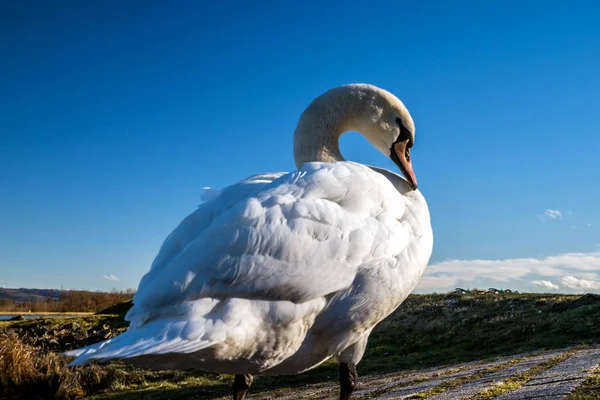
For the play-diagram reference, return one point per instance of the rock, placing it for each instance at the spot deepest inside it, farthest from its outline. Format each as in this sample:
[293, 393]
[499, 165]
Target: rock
[17, 318]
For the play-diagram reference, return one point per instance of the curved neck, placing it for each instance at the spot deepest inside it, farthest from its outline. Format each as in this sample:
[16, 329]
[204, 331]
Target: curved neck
[316, 140]
[323, 122]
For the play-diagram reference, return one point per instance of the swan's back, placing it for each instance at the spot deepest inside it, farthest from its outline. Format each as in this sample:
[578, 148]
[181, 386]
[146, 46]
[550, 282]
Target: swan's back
[272, 254]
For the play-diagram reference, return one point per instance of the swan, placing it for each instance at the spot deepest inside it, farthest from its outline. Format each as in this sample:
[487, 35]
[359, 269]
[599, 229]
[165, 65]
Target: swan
[279, 272]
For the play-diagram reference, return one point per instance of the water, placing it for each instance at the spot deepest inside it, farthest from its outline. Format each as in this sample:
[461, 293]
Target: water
[5, 317]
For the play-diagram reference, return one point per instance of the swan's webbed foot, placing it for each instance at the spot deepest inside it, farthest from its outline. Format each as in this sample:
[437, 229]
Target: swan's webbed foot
[348, 376]
[241, 384]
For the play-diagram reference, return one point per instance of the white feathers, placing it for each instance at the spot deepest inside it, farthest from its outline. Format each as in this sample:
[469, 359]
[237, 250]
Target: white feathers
[273, 246]
[281, 271]
[209, 194]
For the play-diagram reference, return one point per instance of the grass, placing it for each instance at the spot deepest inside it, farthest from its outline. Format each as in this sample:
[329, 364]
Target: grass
[426, 331]
[590, 389]
[28, 372]
[454, 383]
[437, 329]
[518, 380]
[410, 382]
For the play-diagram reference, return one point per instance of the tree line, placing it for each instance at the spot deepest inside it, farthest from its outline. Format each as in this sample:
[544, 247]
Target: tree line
[70, 301]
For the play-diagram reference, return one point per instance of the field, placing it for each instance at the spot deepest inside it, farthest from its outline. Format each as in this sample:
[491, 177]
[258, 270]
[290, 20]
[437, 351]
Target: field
[426, 331]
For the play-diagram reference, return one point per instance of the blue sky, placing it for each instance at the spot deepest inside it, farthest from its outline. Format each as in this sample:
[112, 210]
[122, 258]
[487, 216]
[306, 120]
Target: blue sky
[114, 115]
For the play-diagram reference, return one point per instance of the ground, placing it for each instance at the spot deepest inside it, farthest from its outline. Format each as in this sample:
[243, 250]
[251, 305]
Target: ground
[474, 346]
[546, 375]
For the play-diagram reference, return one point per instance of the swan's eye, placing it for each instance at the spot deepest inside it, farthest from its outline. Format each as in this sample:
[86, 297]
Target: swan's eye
[404, 134]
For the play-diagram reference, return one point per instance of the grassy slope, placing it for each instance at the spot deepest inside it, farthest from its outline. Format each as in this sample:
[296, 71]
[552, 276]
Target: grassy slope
[427, 330]
[437, 329]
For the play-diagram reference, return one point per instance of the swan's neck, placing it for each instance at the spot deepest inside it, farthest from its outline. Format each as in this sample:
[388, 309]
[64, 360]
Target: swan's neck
[316, 140]
[320, 126]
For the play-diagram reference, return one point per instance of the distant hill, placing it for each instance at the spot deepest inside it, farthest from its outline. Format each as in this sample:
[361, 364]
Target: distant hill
[22, 295]
[53, 300]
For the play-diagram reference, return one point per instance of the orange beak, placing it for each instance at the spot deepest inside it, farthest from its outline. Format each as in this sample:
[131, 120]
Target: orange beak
[400, 154]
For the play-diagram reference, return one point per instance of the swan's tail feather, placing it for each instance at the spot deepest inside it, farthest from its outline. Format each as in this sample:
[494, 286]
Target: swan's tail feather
[159, 336]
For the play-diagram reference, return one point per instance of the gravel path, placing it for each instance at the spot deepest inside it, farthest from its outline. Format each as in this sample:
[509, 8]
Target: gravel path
[547, 375]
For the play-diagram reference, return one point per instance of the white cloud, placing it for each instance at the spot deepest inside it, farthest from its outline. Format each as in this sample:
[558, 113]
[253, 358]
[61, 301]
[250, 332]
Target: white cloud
[546, 284]
[554, 214]
[580, 284]
[111, 277]
[513, 273]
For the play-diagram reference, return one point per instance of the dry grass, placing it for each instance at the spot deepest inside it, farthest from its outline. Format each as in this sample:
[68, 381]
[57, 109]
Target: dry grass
[454, 383]
[518, 380]
[28, 372]
[589, 389]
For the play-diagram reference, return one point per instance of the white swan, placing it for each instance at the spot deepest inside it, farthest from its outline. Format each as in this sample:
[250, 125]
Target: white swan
[279, 272]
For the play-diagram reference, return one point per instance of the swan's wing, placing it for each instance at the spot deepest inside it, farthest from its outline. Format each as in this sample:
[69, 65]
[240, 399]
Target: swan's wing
[216, 202]
[299, 237]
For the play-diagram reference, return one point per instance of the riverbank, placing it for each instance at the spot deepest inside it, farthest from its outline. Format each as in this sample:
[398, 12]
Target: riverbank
[9, 316]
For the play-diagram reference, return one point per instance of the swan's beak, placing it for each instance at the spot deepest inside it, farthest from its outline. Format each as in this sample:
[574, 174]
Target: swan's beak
[400, 154]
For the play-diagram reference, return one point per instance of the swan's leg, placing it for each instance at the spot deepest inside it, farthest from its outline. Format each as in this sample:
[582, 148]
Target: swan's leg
[241, 384]
[348, 360]
[348, 377]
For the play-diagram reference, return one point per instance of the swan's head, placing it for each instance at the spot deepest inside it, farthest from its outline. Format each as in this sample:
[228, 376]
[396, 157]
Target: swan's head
[386, 123]
[375, 113]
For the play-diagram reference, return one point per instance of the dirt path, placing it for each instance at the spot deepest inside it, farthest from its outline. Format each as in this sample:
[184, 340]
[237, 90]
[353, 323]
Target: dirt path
[549, 375]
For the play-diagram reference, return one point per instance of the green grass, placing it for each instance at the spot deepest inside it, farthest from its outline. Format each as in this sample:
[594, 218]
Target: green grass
[426, 331]
[437, 329]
